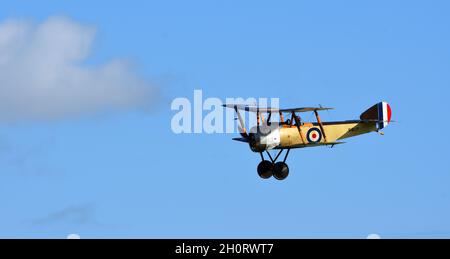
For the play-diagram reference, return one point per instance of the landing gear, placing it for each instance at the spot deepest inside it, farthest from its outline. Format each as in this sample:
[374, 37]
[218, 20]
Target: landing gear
[279, 170]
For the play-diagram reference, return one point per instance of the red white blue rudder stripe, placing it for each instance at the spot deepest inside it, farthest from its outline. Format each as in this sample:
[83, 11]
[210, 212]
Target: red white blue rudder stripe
[379, 113]
[384, 114]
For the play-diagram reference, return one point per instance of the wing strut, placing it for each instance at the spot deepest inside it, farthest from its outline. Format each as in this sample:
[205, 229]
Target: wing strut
[242, 123]
[297, 122]
[320, 125]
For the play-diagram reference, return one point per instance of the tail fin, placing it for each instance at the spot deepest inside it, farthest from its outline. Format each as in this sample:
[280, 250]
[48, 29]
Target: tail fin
[380, 113]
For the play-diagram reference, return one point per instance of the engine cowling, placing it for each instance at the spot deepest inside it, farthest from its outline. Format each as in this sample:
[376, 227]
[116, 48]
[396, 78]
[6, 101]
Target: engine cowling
[263, 138]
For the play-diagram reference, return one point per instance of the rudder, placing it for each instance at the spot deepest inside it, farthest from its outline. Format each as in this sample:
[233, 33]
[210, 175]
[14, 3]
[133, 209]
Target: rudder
[380, 113]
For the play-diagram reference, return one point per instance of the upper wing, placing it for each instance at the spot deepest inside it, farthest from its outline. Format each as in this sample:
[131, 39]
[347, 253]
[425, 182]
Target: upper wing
[306, 109]
[252, 108]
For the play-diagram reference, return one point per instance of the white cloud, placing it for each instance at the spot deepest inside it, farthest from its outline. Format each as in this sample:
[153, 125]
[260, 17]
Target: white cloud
[73, 236]
[373, 236]
[79, 214]
[42, 75]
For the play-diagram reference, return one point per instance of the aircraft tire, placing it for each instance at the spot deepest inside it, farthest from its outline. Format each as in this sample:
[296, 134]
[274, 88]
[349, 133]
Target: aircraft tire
[280, 171]
[265, 169]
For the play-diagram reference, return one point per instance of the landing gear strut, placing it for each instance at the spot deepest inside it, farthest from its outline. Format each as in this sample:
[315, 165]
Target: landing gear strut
[279, 170]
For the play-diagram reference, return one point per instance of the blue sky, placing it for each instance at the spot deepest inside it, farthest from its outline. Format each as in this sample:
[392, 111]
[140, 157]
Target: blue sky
[125, 174]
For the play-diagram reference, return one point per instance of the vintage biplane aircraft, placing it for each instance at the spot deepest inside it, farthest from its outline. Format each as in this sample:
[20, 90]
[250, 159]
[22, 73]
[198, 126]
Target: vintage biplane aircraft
[295, 133]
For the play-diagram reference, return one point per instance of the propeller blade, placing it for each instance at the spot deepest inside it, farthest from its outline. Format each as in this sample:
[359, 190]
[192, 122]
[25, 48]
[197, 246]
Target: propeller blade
[241, 139]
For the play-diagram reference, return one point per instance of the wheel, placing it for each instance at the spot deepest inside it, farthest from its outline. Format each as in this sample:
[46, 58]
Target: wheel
[280, 170]
[265, 169]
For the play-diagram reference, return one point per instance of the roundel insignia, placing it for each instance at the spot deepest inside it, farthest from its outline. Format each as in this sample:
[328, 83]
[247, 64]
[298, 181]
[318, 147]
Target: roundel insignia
[314, 135]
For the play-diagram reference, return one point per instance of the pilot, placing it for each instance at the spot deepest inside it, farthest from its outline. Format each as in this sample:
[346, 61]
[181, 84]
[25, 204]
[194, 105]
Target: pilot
[299, 120]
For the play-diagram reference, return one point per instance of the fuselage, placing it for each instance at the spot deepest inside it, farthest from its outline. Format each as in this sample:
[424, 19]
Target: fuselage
[284, 136]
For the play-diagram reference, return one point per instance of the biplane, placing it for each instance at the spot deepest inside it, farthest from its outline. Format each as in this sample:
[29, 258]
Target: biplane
[292, 132]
